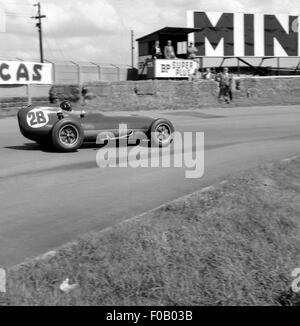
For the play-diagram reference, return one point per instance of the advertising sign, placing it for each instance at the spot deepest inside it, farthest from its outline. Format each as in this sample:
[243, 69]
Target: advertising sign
[175, 68]
[241, 34]
[25, 73]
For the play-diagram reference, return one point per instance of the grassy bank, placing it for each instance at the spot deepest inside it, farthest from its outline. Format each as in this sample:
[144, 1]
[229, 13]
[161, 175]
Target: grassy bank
[236, 244]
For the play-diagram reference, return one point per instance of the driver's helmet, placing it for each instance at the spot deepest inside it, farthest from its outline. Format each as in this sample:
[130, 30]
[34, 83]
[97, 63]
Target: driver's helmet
[84, 91]
[66, 106]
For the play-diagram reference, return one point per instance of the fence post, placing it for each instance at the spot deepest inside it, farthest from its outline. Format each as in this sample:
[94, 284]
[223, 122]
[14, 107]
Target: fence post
[78, 71]
[100, 73]
[99, 70]
[54, 73]
[118, 72]
[201, 64]
[239, 67]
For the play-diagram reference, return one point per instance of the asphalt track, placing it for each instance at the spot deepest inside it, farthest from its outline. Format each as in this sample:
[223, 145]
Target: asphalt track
[47, 198]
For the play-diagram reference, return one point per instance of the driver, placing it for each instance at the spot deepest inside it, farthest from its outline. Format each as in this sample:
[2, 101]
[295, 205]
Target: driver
[66, 106]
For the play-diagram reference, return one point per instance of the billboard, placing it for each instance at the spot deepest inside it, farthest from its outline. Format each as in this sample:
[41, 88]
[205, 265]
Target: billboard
[25, 73]
[239, 34]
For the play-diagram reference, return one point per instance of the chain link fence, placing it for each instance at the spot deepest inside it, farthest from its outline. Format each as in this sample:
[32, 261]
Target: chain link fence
[80, 72]
[73, 72]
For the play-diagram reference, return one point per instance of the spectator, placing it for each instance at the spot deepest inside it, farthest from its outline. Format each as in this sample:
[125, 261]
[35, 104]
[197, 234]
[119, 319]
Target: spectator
[225, 80]
[169, 51]
[192, 50]
[156, 51]
[53, 98]
[208, 75]
[196, 76]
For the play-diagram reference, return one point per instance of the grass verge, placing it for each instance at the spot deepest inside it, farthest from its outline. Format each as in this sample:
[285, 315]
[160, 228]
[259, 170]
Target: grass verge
[235, 244]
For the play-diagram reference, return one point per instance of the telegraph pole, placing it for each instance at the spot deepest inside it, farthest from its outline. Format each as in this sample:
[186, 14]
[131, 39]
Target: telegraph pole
[39, 17]
[132, 49]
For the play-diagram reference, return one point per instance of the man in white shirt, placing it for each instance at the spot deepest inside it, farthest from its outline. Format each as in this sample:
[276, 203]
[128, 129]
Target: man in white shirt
[208, 74]
[169, 51]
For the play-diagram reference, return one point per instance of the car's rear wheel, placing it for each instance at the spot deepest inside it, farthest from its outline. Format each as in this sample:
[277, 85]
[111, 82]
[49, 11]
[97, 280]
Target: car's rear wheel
[161, 133]
[67, 136]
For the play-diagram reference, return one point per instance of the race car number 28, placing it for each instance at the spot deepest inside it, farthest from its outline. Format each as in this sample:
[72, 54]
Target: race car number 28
[37, 118]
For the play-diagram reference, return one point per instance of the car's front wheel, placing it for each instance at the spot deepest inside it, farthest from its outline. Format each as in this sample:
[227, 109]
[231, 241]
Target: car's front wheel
[67, 136]
[161, 133]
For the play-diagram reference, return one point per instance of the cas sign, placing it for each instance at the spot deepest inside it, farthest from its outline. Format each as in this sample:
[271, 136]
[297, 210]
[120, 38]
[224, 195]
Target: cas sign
[25, 73]
[239, 34]
[175, 68]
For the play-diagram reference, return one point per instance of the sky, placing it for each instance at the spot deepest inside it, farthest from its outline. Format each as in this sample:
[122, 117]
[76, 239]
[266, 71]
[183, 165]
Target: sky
[99, 30]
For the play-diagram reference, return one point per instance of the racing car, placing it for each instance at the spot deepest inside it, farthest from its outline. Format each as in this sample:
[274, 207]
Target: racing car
[68, 129]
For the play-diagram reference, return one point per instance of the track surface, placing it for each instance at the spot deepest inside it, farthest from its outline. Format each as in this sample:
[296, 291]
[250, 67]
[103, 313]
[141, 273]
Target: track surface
[47, 199]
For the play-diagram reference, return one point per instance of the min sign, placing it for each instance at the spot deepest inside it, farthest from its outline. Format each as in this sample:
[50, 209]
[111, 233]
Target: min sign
[241, 34]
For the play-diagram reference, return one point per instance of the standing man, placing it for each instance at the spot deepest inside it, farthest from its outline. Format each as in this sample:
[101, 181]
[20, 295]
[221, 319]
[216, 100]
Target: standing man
[196, 76]
[192, 50]
[208, 75]
[156, 51]
[225, 80]
[169, 51]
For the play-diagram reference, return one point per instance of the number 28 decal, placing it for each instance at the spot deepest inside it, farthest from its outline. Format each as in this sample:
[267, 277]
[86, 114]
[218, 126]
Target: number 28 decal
[37, 118]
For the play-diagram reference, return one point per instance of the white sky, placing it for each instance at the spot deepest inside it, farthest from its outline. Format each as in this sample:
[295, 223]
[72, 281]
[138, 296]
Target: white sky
[99, 30]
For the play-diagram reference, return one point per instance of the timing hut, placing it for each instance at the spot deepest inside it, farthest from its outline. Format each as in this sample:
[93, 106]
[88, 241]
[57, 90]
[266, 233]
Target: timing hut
[180, 68]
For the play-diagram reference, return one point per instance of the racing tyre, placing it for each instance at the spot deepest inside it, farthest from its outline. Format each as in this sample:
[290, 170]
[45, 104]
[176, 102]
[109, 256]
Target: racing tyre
[161, 133]
[67, 136]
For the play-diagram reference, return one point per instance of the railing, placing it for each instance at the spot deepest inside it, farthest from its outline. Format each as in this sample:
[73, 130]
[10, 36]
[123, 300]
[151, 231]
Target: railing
[255, 65]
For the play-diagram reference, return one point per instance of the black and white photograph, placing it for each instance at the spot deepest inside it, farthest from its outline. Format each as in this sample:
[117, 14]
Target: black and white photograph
[149, 156]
